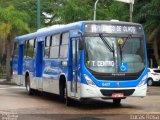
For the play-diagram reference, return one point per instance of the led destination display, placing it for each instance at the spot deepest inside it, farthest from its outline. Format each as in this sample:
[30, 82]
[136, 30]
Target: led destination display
[108, 28]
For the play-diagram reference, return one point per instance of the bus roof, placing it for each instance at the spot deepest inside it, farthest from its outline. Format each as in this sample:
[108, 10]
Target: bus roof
[64, 28]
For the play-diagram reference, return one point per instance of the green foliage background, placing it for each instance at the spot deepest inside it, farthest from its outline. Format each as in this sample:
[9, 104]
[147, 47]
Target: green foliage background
[20, 15]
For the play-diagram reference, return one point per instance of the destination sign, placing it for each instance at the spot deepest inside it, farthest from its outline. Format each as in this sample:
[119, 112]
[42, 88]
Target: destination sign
[114, 28]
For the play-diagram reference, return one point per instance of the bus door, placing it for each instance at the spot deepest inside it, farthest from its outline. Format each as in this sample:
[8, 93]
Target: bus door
[19, 81]
[75, 64]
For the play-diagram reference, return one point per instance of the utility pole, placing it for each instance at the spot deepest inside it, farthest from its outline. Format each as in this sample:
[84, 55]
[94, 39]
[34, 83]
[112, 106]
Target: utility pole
[38, 15]
[131, 11]
[130, 2]
[95, 7]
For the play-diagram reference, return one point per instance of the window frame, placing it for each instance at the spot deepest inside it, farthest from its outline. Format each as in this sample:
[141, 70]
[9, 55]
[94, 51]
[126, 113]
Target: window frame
[26, 49]
[63, 44]
[47, 46]
[55, 45]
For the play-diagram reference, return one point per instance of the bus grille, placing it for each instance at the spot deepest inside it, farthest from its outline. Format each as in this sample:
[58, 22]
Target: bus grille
[126, 92]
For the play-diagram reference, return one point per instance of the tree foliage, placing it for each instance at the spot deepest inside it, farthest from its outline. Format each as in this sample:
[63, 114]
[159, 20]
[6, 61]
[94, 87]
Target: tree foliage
[12, 22]
[22, 15]
[149, 16]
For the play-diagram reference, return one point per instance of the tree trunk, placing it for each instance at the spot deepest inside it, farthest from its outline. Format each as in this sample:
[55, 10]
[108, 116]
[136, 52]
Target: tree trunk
[155, 47]
[8, 65]
[3, 47]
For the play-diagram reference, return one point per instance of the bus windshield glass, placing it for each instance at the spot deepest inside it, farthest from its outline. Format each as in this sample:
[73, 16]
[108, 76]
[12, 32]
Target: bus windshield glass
[107, 54]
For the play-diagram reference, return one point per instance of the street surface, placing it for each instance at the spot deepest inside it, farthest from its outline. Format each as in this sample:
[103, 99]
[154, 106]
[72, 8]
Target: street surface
[15, 104]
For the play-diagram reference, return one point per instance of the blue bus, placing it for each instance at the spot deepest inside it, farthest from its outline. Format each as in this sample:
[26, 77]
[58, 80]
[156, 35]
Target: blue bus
[86, 59]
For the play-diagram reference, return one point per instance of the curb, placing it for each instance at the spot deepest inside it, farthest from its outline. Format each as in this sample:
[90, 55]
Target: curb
[4, 82]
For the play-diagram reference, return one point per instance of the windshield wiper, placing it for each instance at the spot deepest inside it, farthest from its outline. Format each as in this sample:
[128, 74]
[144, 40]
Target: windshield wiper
[129, 36]
[105, 41]
[122, 46]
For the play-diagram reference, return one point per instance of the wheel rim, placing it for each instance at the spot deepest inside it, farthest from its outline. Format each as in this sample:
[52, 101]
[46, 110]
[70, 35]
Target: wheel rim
[150, 82]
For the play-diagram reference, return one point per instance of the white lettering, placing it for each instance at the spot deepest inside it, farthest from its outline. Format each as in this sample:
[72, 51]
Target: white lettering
[99, 63]
[103, 63]
[125, 29]
[130, 29]
[93, 63]
[113, 28]
[119, 29]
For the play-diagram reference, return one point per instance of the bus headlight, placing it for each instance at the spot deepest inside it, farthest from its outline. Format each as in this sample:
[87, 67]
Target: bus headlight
[89, 81]
[143, 81]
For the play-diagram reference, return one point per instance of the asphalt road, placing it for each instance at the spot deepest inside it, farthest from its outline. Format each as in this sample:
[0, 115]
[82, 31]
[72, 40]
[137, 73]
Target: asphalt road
[15, 104]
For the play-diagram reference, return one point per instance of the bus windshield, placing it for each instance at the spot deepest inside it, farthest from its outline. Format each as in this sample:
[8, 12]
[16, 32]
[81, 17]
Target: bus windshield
[103, 59]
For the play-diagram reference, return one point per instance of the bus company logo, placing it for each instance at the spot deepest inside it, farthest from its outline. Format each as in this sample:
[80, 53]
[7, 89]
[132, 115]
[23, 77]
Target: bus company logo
[118, 84]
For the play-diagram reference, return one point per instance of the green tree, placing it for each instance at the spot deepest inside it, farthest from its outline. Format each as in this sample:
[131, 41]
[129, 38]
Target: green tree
[12, 23]
[149, 16]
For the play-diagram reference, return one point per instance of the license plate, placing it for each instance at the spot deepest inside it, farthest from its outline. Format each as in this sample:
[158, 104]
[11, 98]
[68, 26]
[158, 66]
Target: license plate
[117, 95]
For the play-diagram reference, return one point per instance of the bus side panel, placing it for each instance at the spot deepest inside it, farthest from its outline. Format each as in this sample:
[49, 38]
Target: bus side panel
[50, 76]
[29, 67]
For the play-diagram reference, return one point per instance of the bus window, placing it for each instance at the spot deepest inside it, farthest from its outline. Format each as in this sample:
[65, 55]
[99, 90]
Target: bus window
[30, 50]
[25, 49]
[64, 45]
[15, 53]
[55, 40]
[47, 45]
[54, 49]
[65, 38]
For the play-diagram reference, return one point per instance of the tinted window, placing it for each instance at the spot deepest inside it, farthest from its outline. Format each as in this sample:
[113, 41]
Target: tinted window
[30, 50]
[64, 45]
[15, 53]
[25, 49]
[65, 38]
[54, 52]
[47, 42]
[55, 39]
[63, 51]
[54, 49]
[47, 47]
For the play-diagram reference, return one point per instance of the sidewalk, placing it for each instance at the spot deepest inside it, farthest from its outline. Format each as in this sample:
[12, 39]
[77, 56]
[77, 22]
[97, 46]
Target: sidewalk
[5, 82]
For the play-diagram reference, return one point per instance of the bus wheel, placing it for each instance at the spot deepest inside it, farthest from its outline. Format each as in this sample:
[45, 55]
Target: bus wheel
[68, 101]
[29, 90]
[149, 82]
[116, 101]
[62, 92]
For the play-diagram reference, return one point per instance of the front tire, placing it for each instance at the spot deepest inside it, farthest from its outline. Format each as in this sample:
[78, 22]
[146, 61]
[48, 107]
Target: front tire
[29, 90]
[149, 82]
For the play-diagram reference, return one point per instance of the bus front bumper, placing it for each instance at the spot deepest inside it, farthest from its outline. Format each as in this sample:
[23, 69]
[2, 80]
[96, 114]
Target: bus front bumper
[96, 92]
